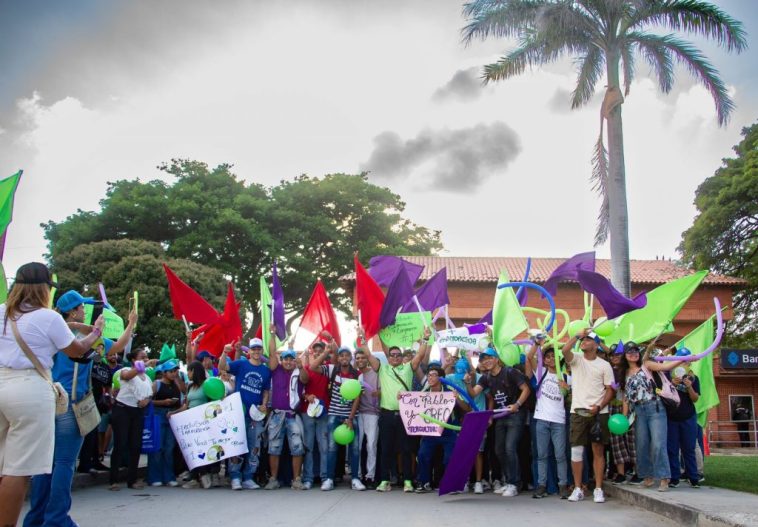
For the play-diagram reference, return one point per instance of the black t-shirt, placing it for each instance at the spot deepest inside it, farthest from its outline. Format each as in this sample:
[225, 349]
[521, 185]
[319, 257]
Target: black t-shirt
[102, 377]
[686, 407]
[504, 387]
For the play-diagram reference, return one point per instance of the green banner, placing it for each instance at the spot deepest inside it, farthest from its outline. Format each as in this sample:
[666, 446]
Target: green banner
[697, 342]
[114, 324]
[407, 329]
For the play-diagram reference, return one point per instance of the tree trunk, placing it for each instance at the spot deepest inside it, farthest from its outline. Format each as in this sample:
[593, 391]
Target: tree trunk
[616, 188]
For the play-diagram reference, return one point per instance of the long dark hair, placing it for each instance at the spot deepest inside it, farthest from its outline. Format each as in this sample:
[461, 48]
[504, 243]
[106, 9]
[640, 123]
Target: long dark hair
[624, 367]
[198, 374]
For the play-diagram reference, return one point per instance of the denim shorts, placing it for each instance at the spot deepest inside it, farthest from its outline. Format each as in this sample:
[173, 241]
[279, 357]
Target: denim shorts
[284, 423]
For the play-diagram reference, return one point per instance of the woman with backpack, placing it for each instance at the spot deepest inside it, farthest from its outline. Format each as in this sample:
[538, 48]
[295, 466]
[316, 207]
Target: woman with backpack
[647, 393]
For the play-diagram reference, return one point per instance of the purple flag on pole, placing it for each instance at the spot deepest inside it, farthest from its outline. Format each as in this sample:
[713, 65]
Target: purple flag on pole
[432, 294]
[399, 292]
[383, 269]
[464, 453]
[614, 303]
[567, 270]
[486, 319]
[278, 308]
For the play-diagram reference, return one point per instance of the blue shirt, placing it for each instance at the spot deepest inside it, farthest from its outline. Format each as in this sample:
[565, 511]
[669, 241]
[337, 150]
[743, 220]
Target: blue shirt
[250, 381]
[63, 372]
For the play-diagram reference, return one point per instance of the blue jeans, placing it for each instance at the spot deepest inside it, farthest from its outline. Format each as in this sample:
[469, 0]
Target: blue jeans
[554, 433]
[650, 431]
[682, 435]
[281, 424]
[160, 465]
[50, 501]
[426, 451]
[316, 433]
[508, 432]
[243, 467]
[354, 448]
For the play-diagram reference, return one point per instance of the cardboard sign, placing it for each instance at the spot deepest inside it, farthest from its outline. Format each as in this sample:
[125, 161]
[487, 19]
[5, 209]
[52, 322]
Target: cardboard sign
[434, 404]
[211, 432]
[407, 329]
[114, 324]
[460, 338]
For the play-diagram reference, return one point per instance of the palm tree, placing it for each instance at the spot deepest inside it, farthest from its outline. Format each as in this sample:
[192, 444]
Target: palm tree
[610, 33]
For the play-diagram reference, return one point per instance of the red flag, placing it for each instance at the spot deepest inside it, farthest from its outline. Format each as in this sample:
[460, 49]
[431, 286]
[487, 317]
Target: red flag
[186, 301]
[369, 298]
[319, 314]
[225, 329]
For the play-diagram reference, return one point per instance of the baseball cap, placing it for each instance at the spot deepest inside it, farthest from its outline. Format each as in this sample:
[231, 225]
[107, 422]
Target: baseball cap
[168, 365]
[203, 354]
[34, 273]
[315, 409]
[289, 354]
[255, 343]
[344, 349]
[489, 352]
[71, 300]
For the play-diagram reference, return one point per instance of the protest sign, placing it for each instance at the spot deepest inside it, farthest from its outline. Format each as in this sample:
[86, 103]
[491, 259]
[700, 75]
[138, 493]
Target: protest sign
[407, 329]
[438, 405]
[211, 432]
[461, 339]
[114, 324]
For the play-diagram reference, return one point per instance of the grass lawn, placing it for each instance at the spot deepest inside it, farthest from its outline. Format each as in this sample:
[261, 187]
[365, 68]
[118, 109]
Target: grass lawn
[732, 472]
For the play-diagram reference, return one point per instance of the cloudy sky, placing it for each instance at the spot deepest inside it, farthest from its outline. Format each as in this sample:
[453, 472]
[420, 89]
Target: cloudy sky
[94, 91]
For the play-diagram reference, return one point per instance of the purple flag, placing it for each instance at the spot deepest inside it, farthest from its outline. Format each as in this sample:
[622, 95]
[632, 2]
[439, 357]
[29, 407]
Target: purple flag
[486, 319]
[399, 292]
[567, 270]
[614, 303]
[464, 453]
[432, 294]
[383, 269]
[277, 310]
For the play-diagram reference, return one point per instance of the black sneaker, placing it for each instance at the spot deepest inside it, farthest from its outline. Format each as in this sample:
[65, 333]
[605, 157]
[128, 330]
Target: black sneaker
[635, 480]
[370, 484]
[541, 492]
[422, 488]
[619, 479]
[674, 483]
[695, 484]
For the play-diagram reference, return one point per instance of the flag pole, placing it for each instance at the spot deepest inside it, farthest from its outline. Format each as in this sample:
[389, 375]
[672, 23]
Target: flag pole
[420, 310]
[186, 324]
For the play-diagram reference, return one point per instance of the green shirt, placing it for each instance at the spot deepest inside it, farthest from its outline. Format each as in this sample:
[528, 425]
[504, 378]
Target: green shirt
[391, 385]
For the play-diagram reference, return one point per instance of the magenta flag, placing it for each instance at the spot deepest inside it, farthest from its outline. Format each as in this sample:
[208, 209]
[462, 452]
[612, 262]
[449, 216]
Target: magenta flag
[464, 453]
[399, 292]
[383, 269]
[614, 303]
[432, 294]
[278, 308]
[568, 270]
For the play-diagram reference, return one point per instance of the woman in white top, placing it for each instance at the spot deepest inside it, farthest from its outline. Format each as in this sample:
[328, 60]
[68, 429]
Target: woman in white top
[27, 400]
[127, 418]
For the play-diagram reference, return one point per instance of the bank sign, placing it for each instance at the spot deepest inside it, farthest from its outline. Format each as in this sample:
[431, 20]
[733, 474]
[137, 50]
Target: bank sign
[739, 359]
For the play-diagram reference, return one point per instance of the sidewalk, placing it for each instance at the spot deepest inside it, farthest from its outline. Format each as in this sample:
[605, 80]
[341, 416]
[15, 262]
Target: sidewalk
[102, 477]
[703, 507]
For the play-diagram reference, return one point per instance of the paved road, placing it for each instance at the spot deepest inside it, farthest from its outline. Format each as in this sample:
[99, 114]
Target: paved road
[98, 507]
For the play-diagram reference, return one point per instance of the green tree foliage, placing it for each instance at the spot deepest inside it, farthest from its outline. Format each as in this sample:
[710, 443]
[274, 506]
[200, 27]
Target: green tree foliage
[310, 225]
[125, 266]
[724, 235]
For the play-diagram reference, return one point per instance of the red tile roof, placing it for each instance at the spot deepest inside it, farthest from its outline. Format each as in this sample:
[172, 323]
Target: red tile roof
[487, 269]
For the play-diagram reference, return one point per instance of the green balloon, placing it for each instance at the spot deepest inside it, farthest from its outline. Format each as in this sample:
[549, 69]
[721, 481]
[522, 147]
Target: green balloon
[350, 389]
[150, 372]
[618, 424]
[117, 380]
[343, 435]
[605, 329]
[214, 388]
[575, 326]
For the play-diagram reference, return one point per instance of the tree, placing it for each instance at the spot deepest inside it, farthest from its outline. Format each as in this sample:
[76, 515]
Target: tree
[310, 225]
[608, 34]
[724, 234]
[124, 266]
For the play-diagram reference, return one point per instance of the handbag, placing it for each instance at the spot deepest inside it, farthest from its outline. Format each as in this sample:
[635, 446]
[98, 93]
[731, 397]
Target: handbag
[61, 397]
[151, 431]
[85, 411]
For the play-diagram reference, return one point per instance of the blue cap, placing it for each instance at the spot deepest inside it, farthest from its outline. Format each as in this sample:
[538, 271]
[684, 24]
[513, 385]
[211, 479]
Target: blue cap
[344, 349]
[255, 343]
[107, 345]
[70, 300]
[203, 355]
[289, 354]
[490, 352]
[167, 366]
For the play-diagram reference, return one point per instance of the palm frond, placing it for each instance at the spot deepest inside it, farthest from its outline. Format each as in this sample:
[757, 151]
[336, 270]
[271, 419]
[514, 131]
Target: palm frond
[589, 72]
[627, 60]
[499, 18]
[599, 181]
[691, 16]
[657, 54]
[564, 18]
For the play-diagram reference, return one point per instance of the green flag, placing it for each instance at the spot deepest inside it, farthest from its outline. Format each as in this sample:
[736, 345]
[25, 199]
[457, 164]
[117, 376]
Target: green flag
[407, 329]
[8, 188]
[167, 353]
[663, 304]
[4, 284]
[697, 342]
[266, 302]
[507, 319]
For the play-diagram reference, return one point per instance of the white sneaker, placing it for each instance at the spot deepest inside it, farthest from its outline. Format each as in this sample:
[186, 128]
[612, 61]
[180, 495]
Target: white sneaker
[249, 484]
[173, 483]
[236, 484]
[598, 496]
[156, 484]
[486, 485]
[478, 488]
[465, 488]
[358, 484]
[510, 491]
[577, 494]
[328, 484]
[205, 481]
[497, 487]
[307, 485]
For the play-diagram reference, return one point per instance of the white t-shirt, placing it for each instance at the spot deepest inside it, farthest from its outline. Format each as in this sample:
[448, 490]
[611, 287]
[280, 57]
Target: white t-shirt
[43, 330]
[589, 379]
[550, 401]
[134, 390]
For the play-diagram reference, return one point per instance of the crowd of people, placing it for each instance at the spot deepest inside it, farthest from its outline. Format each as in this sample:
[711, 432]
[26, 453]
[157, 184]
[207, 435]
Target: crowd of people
[554, 438]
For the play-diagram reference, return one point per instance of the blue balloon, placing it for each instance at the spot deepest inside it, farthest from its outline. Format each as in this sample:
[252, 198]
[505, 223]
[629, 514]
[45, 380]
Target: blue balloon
[542, 290]
[463, 393]
[683, 352]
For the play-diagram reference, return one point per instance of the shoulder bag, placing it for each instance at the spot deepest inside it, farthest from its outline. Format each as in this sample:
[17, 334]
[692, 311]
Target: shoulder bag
[87, 415]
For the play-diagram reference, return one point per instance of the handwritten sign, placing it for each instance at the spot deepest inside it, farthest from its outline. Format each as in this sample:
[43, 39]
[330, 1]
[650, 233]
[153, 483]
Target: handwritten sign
[211, 432]
[434, 404]
[460, 338]
[407, 329]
